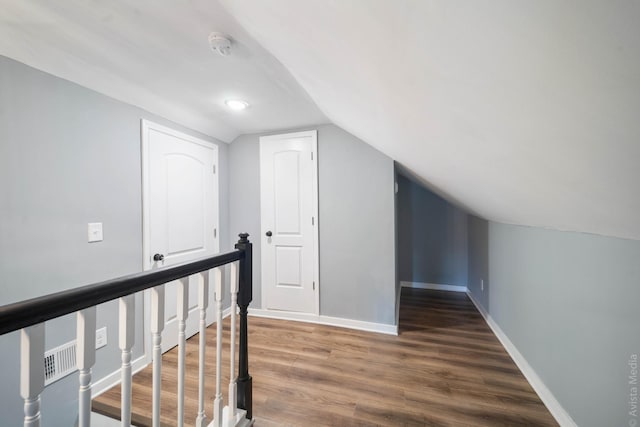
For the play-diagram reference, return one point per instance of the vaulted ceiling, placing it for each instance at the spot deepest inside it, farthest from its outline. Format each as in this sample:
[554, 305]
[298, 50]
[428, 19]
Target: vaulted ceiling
[524, 112]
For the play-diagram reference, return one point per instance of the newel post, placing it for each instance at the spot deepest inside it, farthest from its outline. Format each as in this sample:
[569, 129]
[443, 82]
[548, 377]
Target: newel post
[244, 299]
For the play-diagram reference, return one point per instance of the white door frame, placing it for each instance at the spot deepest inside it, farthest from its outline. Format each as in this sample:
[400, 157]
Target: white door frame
[316, 241]
[145, 126]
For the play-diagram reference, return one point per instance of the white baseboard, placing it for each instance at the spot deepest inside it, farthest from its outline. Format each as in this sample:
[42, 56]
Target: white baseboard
[434, 286]
[225, 313]
[98, 420]
[361, 325]
[559, 413]
[113, 378]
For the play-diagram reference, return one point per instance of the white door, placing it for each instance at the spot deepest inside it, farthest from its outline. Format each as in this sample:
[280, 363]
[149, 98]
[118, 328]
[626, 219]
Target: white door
[289, 211]
[180, 195]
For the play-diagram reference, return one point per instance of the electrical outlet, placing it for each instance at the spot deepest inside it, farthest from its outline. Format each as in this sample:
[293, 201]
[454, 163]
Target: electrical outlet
[101, 337]
[482, 284]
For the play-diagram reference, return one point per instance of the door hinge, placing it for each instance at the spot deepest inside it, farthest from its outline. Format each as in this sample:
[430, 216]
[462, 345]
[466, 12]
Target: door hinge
[313, 221]
[312, 155]
[314, 286]
[214, 168]
[215, 233]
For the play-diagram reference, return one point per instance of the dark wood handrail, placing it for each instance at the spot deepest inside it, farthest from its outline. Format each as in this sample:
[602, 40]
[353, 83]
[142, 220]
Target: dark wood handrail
[31, 312]
[37, 310]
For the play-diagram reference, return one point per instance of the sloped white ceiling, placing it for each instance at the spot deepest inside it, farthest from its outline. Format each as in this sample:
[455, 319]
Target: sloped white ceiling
[524, 112]
[155, 54]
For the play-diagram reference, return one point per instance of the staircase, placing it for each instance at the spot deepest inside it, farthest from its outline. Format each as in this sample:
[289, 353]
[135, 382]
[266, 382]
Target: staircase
[30, 316]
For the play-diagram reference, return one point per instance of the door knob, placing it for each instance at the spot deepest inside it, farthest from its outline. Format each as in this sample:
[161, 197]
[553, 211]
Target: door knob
[158, 257]
[268, 233]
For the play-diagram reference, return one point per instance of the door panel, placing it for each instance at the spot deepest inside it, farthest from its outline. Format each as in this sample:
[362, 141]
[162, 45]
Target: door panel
[286, 186]
[186, 192]
[181, 218]
[288, 266]
[288, 175]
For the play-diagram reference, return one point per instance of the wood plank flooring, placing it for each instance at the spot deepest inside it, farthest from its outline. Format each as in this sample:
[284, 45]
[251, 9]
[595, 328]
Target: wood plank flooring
[446, 368]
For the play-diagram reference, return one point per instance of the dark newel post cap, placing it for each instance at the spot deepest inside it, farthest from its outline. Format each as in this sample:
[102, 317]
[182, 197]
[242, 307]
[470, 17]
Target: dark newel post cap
[243, 238]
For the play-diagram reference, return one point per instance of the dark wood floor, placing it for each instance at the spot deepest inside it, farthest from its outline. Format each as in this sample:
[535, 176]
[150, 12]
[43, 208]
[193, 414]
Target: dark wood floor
[446, 368]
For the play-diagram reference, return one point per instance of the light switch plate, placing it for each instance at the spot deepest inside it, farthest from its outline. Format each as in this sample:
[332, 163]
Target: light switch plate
[101, 337]
[95, 232]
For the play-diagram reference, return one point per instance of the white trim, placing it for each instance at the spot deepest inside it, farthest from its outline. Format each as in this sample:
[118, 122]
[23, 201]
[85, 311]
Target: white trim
[144, 155]
[103, 421]
[559, 413]
[360, 325]
[113, 378]
[434, 286]
[316, 235]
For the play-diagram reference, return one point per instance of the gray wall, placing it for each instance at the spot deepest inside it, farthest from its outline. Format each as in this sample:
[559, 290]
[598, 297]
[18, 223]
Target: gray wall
[570, 303]
[356, 222]
[478, 270]
[432, 237]
[69, 156]
[396, 207]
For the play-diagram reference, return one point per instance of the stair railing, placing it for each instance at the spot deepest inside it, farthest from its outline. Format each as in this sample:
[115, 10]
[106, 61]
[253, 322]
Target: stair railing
[29, 317]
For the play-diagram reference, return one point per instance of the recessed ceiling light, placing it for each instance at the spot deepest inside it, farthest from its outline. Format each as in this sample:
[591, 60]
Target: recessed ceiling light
[236, 104]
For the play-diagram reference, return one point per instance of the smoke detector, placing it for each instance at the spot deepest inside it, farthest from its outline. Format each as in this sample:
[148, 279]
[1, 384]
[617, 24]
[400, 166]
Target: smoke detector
[220, 43]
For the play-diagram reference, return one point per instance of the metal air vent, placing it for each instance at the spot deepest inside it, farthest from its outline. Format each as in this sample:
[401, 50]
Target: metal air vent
[59, 362]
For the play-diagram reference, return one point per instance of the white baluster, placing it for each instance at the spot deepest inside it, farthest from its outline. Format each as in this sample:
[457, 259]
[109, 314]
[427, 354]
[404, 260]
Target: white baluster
[233, 288]
[86, 352]
[183, 312]
[203, 303]
[218, 295]
[157, 325]
[126, 337]
[32, 372]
